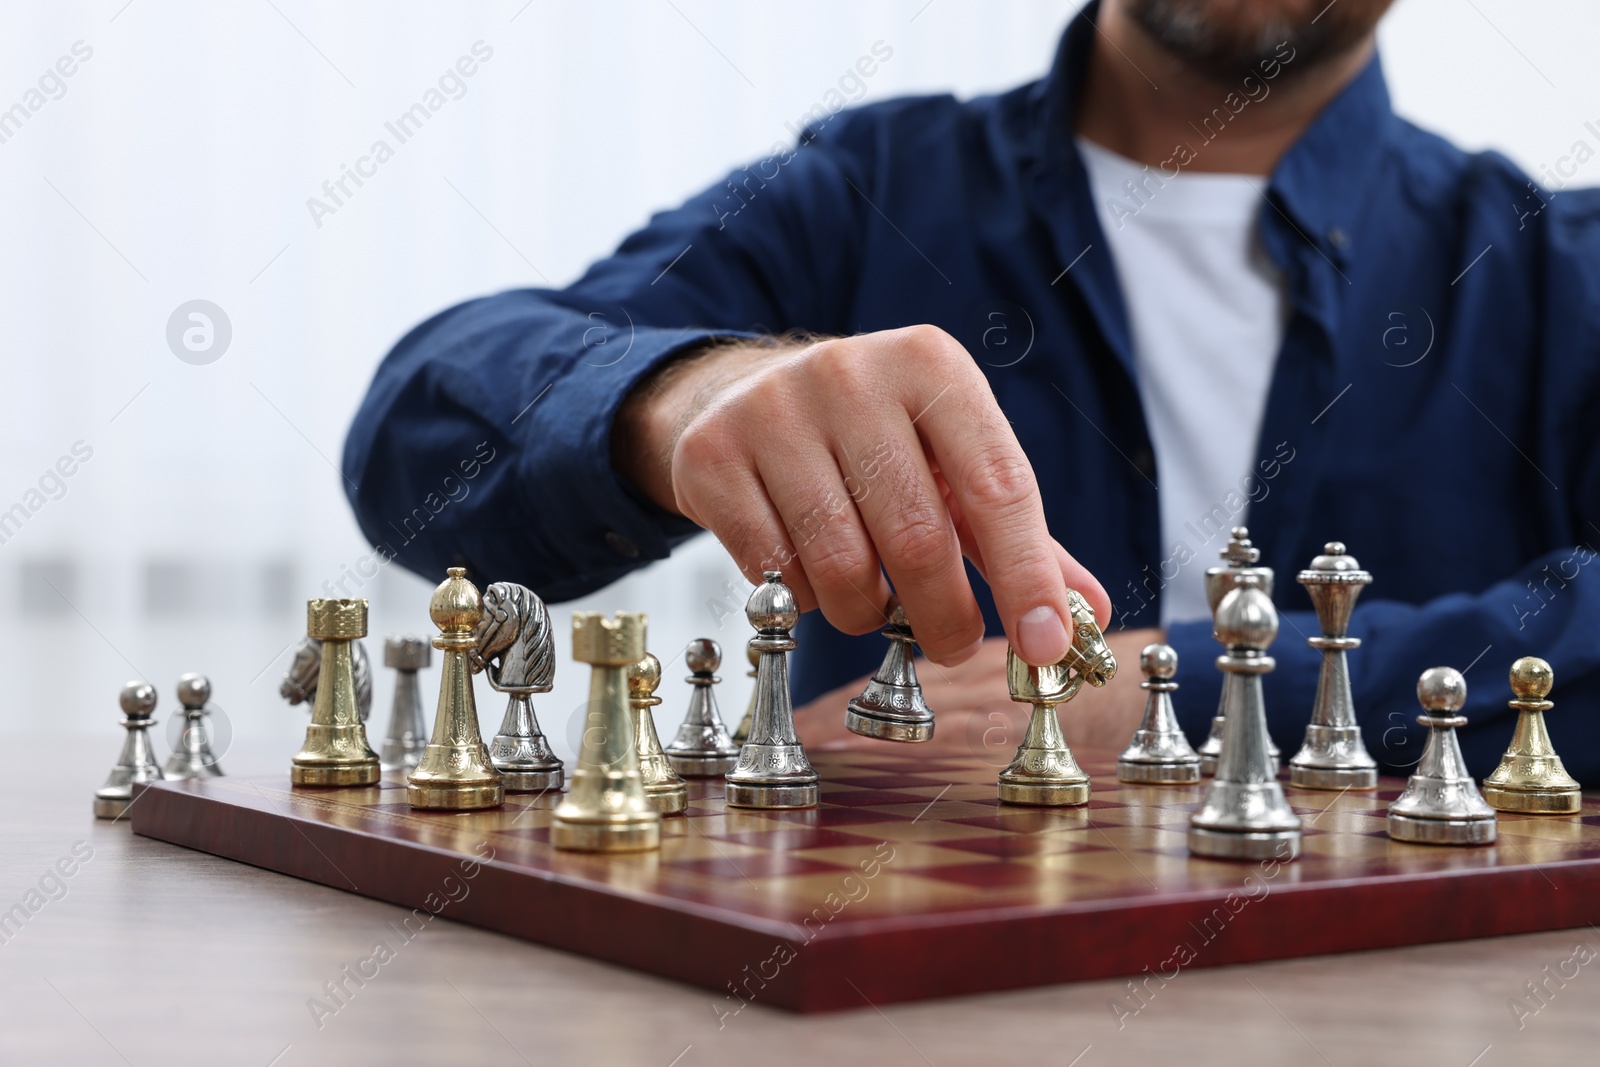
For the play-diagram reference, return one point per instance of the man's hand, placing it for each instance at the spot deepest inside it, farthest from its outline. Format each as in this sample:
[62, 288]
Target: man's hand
[975, 714]
[843, 459]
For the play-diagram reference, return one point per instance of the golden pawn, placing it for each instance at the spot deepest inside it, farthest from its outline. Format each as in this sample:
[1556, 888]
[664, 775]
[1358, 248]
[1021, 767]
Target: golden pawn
[1044, 772]
[454, 773]
[1530, 777]
[606, 809]
[666, 791]
[336, 752]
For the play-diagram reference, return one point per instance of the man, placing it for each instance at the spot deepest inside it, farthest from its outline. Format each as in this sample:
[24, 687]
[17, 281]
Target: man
[986, 351]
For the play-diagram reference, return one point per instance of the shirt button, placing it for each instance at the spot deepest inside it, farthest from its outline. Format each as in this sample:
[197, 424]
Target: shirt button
[1337, 237]
[621, 545]
[1144, 462]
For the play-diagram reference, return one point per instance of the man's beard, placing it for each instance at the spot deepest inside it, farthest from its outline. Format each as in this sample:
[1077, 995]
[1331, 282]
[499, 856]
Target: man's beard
[1224, 40]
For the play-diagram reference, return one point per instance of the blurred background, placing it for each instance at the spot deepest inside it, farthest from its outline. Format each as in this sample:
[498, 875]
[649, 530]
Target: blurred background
[176, 161]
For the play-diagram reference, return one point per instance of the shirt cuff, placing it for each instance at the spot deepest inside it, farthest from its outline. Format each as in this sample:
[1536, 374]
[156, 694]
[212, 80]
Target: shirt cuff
[609, 525]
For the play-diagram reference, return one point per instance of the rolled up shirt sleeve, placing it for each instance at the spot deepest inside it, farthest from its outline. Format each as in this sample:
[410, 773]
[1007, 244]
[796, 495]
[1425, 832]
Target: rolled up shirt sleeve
[484, 439]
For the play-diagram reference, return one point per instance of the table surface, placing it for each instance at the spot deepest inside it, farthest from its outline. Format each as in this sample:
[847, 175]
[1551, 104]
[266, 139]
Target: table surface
[150, 953]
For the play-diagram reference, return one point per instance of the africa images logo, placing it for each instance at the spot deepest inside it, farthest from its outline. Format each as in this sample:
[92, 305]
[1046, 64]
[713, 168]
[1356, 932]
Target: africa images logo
[199, 332]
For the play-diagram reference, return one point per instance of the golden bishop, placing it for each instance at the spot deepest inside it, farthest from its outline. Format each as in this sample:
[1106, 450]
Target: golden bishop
[454, 773]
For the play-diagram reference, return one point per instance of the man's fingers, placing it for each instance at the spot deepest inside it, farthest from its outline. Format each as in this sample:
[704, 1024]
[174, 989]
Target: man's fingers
[993, 486]
[916, 540]
[1078, 577]
[728, 499]
[837, 557]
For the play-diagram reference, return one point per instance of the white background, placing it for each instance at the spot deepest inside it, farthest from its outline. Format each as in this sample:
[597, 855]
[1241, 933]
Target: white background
[178, 165]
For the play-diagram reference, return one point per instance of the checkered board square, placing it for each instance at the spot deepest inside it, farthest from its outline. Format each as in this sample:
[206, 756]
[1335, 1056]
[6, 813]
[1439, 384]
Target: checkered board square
[910, 880]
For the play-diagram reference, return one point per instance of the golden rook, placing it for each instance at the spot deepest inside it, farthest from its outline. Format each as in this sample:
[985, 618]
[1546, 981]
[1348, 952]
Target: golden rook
[606, 809]
[336, 752]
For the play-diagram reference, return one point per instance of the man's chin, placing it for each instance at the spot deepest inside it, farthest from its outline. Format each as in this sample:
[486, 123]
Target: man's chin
[1226, 40]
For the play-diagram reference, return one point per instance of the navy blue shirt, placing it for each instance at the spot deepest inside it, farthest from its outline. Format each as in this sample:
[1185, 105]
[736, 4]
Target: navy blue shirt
[1433, 405]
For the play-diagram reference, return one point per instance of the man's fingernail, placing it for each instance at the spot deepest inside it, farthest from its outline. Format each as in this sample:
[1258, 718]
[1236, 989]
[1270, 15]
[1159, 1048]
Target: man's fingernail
[1041, 639]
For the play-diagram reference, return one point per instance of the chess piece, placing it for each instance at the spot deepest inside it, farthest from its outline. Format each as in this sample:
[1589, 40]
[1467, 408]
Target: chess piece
[1441, 804]
[1244, 815]
[666, 792]
[336, 752]
[299, 685]
[1159, 753]
[1240, 561]
[606, 809]
[517, 652]
[1044, 773]
[403, 745]
[892, 707]
[137, 763]
[772, 771]
[702, 747]
[742, 734]
[1333, 756]
[454, 773]
[1530, 777]
[192, 756]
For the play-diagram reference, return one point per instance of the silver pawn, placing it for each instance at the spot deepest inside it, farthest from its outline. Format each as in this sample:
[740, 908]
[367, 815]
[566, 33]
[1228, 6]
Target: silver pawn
[192, 758]
[892, 707]
[1239, 559]
[1159, 753]
[702, 747]
[772, 771]
[137, 763]
[408, 731]
[1441, 804]
[299, 685]
[1333, 756]
[1244, 815]
[516, 651]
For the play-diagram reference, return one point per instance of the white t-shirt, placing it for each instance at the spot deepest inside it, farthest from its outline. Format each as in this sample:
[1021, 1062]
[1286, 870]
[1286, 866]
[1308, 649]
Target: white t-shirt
[1206, 308]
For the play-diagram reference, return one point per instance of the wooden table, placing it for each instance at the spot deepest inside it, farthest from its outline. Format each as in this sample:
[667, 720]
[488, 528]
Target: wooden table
[152, 954]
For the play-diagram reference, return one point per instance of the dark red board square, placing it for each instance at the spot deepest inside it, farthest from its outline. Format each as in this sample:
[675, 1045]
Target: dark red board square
[983, 875]
[929, 768]
[889, 781]
[533, 833]
[831, 816]
[860, 798]
[791, 838]
[1023, 820]
[1016, 845]
[763, 865]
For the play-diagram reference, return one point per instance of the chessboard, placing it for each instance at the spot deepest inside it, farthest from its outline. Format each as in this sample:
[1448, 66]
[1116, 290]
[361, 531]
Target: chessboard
[909, 881]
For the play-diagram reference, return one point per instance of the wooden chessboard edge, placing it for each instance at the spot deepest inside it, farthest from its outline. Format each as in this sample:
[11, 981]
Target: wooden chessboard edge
[1045, 950]
[885, 962]
[696, 945]
[202, 791]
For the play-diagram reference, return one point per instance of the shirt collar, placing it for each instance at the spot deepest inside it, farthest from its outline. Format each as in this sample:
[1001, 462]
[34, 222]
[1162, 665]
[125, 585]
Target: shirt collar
[1321, 183]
